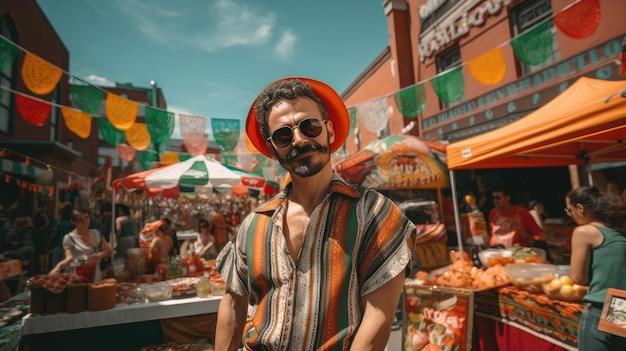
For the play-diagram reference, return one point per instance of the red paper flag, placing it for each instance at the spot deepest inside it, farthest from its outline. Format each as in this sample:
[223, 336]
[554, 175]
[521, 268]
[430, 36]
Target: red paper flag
[34, 111]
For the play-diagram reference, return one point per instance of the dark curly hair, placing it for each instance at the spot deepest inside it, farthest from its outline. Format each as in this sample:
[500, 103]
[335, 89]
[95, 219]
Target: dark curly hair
[607, 208]
[279, 90]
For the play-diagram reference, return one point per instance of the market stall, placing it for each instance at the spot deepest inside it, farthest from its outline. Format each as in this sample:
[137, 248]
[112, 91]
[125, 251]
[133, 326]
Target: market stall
[412, 172]
[585, 124]
[125, 327]
[148, 310]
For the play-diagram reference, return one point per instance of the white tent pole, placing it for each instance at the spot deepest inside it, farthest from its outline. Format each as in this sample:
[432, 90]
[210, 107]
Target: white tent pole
[457, 216]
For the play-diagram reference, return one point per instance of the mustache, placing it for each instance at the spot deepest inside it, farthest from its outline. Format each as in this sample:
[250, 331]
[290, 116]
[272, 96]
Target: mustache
[297, 151]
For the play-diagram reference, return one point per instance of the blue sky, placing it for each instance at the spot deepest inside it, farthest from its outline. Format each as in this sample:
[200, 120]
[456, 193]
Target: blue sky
[211, 57]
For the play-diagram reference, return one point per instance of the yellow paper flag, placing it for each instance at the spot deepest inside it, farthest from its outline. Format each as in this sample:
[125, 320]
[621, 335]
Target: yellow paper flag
[39, 75]
[77, 121]
[488, 68]
[121, 112]
[138, 136]
[168, 158]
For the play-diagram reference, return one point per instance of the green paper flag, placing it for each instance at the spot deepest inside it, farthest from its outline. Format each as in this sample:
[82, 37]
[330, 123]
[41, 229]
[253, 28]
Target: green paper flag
[411, 101]
[109, 133]
[160, 124]
[449, 87]
[226, 133]
[147, 159]
[86, 96]
[353, 114]
[8, 51]
[534, 46]
[229, 158]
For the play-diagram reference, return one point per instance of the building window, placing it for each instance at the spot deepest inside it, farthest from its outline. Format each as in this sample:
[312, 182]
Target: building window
[8, 78]
[446, 60]
[54, 114]
[528, 15]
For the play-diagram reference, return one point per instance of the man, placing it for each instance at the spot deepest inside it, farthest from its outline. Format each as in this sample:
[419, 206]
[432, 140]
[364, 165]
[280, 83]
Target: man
[512, 224]
[217, 225]
[322, 263]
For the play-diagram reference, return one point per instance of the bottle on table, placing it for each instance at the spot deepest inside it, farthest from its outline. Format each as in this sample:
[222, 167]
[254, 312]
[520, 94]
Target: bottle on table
[202, 287]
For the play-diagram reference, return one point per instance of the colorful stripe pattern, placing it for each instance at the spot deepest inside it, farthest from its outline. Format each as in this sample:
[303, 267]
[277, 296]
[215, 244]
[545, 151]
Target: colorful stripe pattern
[354, 243]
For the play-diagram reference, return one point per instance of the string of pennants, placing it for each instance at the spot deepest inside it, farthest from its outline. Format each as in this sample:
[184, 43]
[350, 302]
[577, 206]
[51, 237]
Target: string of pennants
[118, 123]
[22, 164]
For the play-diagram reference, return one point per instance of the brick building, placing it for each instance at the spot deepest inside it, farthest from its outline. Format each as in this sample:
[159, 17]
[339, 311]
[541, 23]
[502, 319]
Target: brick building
[431, 37]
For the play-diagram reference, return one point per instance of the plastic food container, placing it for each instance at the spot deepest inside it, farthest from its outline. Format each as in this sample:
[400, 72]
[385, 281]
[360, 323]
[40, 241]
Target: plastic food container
[157, 292]
[563, 288]
[491, 257]
[531, 276]
[528, 255]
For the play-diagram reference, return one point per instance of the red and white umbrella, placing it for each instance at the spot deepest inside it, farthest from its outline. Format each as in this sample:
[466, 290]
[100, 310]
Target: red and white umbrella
[185, 176]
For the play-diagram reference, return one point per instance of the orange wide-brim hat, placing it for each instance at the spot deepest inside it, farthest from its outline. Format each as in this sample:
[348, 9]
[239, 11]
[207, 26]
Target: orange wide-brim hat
[336, 109]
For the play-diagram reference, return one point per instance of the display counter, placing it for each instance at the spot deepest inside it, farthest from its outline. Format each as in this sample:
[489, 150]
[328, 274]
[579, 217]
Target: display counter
[502, 318]
[125, 327]
[126, 313]
[507, 316]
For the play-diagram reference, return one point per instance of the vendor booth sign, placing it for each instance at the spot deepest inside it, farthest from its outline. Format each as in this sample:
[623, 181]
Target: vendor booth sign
[437, 318]
[396, 162]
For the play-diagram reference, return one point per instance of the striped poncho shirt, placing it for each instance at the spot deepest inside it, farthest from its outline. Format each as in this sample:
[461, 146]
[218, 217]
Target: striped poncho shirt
[355, 242]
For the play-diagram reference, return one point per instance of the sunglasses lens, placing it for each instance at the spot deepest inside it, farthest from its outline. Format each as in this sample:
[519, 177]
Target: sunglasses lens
[311, 127]
[282, 136]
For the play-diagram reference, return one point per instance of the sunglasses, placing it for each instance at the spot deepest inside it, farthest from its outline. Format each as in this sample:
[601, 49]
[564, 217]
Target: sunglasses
[309, 127]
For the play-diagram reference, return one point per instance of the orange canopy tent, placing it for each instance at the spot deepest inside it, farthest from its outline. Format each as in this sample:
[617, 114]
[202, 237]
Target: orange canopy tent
[585, 124]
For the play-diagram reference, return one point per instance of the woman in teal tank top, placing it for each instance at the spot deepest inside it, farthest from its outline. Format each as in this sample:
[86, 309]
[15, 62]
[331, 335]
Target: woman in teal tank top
[598, 259]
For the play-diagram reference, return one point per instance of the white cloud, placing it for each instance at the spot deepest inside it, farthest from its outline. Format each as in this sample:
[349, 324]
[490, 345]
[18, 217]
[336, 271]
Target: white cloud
[227, 23]
[97, 80]
[285, 46]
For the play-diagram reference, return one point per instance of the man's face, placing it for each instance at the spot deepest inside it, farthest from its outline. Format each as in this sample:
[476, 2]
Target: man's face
[304, 156]
[500, 200]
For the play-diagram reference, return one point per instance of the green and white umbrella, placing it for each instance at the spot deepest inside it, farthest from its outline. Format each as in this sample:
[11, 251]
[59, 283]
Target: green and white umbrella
[169, 181]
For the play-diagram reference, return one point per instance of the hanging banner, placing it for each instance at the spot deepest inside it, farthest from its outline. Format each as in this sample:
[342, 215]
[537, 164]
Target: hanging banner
[126, 152]
[580, 19]
[148, 159]
[226, 133]
[193, 131]
[449, 87]
[121, 112]
[77, 121]
[160, 124]
[411, 101]
[535, 46]
[488, 68]
[374, 114]
[109, 133]
[168, 158]
[352, 112]
[196, 144]
[8, 52]
[86, 96]
[39, 75]
[33, 111]
[138, 136]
